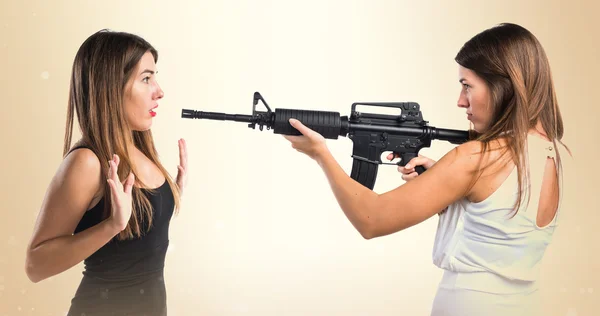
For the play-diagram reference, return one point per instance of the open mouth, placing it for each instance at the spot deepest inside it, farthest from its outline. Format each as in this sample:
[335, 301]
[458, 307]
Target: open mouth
[152, 111]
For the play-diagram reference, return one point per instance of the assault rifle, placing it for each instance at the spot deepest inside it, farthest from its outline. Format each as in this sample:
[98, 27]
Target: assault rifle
[372, 134]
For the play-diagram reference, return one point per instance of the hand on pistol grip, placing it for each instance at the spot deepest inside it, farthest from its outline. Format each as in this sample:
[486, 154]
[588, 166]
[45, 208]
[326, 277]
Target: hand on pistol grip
[412, 165]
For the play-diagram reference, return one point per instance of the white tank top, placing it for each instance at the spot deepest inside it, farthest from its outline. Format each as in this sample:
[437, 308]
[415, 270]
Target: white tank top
[482, 236]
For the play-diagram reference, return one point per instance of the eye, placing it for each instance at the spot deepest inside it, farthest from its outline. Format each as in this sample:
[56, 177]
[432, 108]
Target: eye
[146, 79]
[466, 86]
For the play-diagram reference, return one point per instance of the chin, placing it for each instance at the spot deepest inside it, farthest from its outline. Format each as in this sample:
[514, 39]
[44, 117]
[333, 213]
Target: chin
[142, 128]
[479, 129]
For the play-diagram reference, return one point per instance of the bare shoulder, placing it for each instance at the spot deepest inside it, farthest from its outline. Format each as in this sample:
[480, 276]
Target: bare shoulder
[473, 154]
[76, 185]
[472, 162]
[80, 171]
[465, 157]
[82, 159]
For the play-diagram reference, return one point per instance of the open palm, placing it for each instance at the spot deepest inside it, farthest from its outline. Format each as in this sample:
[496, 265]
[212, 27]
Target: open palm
[182, 173]
[121, 201]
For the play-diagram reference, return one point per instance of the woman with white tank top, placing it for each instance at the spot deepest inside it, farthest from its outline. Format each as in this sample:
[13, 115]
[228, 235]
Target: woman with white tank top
[498, 196]
[490, 257]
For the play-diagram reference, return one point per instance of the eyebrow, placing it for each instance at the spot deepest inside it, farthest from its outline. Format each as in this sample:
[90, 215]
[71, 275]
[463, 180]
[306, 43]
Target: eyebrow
[461, 80]
[148, 71]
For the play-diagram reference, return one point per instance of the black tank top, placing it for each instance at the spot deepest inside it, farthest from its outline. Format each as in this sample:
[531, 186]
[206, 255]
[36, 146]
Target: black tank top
[125, 277]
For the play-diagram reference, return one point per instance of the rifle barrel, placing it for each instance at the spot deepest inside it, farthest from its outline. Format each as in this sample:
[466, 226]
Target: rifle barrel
[192, 114]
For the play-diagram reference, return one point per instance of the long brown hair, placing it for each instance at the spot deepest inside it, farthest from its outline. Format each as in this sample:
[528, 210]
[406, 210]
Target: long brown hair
[513, 64]
[102, 67]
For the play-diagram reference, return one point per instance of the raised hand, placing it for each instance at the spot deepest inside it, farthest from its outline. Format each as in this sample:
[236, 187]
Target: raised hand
[408, 171]
[121, 201]
[182, 168]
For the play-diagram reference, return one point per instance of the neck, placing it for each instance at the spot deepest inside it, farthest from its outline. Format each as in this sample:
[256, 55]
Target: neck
[132, 149]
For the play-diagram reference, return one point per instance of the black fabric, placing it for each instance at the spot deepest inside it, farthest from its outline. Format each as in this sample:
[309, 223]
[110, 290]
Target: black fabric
[126, 277]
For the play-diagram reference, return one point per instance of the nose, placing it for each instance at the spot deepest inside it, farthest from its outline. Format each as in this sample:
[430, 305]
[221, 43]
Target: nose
[463, 102]
[159, 93]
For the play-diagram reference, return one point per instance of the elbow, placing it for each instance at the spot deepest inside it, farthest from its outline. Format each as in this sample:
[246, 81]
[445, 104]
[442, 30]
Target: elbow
[367, 235]
[33, 278]
[372, 227]
[378, 220]
[32, 270]
[373, 231]
[367, 229]
[368, 224]
[32, 275]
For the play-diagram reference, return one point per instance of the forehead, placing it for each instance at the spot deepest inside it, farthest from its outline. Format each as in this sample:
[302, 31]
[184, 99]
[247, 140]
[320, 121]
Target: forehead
[465, 73]
[146, 62]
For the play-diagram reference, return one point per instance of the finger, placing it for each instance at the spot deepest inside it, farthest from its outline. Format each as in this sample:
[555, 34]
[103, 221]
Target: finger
[128, 186]
[393, 156]
[111, 185]
[293, 139]
[408, 177]
[126, 179]
[427, 162]
[113, 191]
[180, 175]
[113, 175]
[185, 154]
[112, 169]
[182, 153]
[404, 170]
[117, 159]
[181, 172]
[300, 127]
[417, 161]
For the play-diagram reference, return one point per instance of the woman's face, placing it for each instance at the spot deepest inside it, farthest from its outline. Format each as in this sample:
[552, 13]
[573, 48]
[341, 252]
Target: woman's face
[475, 98]
[142, 93]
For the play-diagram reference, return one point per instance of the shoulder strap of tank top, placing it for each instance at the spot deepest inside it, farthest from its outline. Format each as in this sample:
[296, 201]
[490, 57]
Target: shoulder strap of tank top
[78, 147]
[538, 151]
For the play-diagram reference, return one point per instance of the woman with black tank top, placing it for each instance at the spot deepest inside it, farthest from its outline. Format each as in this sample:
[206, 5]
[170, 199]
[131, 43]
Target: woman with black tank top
[111, 200]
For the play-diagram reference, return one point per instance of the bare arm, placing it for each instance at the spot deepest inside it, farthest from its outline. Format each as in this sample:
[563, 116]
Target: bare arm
[375, 215]
[53, 247]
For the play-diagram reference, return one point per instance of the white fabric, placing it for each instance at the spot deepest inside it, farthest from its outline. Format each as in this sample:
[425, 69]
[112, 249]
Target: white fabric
[452, 299]
[488, 256]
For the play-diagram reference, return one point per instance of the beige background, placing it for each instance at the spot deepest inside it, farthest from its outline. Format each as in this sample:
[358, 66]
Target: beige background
[276, 242]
